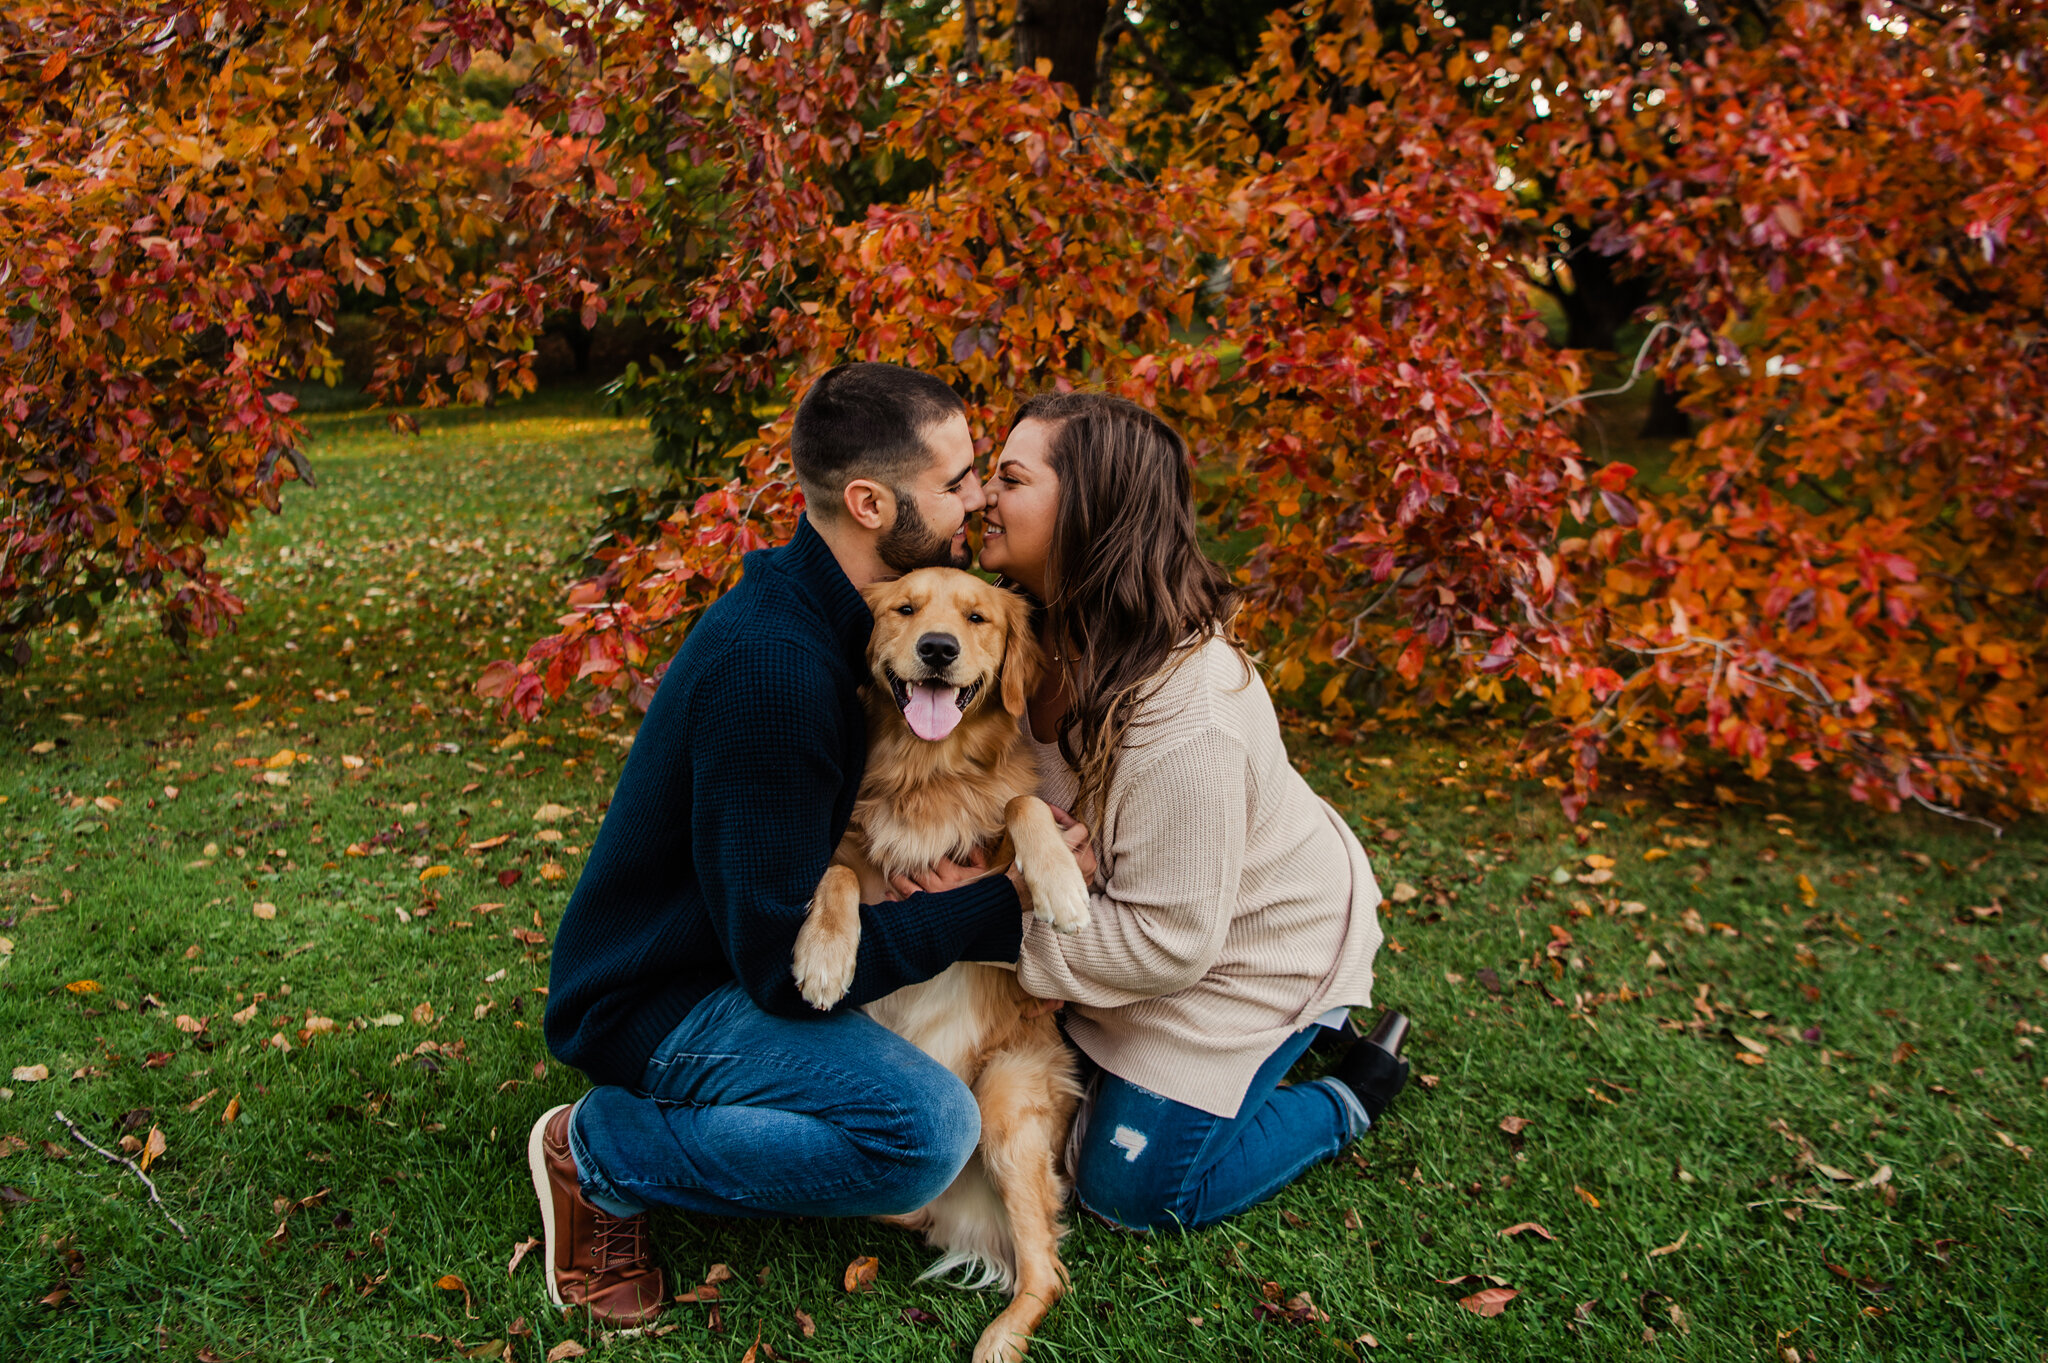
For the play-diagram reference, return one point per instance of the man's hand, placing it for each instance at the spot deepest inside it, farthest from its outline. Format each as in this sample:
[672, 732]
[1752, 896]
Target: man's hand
[947, 875]
[1076, 835]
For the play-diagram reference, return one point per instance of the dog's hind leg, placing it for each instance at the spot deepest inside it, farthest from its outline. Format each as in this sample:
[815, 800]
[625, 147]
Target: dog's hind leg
[1027, 1098]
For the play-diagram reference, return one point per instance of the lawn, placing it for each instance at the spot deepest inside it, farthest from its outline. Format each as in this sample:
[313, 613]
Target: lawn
[1764, 1067]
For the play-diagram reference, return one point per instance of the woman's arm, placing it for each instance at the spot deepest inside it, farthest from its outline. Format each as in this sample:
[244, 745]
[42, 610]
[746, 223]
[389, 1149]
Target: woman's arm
[1159, 923]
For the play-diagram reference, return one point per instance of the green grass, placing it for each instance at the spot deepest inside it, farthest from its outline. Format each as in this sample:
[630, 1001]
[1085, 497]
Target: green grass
[435, 555]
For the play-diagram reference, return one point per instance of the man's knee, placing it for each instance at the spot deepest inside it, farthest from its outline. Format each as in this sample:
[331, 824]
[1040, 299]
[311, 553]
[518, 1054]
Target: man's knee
[940, 1126]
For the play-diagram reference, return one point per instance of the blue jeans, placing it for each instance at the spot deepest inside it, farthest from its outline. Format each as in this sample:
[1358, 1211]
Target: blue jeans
[741, 1113]
[1146, 1162]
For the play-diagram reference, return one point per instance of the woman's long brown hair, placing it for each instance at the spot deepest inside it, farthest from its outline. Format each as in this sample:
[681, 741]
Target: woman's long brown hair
[1129, 582]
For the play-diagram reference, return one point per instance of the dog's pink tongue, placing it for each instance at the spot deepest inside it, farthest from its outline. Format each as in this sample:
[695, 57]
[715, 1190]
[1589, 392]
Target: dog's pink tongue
[932, 711]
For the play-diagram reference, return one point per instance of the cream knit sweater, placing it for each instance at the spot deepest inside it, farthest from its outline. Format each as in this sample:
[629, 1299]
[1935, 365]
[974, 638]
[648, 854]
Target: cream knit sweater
[1234, 906]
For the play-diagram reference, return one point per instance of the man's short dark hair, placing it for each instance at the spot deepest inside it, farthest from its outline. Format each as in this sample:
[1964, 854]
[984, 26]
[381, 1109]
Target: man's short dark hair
[865, 421]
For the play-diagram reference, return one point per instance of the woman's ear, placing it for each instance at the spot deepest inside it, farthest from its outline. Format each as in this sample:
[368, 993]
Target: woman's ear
[1023, 662]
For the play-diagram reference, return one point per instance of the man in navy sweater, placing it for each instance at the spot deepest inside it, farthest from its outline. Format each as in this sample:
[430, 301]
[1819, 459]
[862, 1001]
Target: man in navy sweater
[718, 1088]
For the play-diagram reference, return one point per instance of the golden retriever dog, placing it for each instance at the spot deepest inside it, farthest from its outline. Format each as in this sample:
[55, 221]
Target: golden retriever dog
[946, 776]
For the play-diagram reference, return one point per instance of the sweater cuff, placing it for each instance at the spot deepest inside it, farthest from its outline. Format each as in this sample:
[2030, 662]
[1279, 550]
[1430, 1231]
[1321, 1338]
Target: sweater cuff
[992, 904]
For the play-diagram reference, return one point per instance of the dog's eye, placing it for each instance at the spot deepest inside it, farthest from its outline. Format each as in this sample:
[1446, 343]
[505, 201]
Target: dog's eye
[906, 609]
[977, 617]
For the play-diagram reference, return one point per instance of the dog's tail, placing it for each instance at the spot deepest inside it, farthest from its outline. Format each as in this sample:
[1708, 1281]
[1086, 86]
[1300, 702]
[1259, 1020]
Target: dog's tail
[969, 1224]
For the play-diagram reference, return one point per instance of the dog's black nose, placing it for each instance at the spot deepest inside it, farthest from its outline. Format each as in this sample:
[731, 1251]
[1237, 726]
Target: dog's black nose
[937, 651]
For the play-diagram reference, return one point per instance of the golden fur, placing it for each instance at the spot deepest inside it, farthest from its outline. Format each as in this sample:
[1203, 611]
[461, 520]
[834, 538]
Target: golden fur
[923, 800]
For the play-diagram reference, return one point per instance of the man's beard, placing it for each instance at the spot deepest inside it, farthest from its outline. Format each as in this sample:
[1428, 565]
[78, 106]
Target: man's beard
[911, 544]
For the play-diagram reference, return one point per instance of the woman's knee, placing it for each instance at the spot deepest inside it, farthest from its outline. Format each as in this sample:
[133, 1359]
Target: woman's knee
[1115, 1181]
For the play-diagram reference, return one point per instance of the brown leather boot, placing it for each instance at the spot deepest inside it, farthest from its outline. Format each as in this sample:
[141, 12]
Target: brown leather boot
[592, 1258]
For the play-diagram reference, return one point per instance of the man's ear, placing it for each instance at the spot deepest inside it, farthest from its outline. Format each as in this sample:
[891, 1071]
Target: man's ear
[1023, 661]
[871, 505]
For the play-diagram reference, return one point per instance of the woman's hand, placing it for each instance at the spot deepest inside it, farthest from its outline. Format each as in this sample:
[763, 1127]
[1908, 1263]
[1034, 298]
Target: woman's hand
[946, 875]
[1076, 835]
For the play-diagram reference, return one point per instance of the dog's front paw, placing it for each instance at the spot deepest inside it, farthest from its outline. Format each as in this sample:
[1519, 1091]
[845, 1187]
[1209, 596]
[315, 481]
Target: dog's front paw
[824, 963]
[1060, 898]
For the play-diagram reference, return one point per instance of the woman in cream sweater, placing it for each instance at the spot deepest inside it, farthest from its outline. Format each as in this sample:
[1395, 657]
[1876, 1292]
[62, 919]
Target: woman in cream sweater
[1233, 909]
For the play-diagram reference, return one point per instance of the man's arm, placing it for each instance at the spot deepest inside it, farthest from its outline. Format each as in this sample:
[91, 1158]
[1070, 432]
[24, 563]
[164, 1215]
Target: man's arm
[765, 773]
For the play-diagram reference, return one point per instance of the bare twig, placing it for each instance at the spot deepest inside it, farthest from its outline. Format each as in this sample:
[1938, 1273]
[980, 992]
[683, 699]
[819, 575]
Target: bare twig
[1635, 371]
[133, 1168]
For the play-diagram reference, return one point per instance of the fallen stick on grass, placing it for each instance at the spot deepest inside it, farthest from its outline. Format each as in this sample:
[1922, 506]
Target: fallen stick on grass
[133, 1168]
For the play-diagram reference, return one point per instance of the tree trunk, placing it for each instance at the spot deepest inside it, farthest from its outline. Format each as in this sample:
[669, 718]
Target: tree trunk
[1066, 32]
[1665, 420]
[1599, 302]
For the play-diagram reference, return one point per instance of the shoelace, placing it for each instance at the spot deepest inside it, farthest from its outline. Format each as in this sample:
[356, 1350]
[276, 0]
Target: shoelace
[619, 1237]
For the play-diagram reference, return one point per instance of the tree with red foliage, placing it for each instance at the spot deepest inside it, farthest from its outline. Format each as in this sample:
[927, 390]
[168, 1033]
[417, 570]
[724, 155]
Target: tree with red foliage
[187, 191]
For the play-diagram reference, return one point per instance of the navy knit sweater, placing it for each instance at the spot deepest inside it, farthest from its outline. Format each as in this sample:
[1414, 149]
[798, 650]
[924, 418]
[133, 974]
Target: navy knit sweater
[736, 792]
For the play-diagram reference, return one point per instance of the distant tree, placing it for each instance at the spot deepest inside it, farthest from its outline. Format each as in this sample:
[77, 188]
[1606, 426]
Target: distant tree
[188, 193]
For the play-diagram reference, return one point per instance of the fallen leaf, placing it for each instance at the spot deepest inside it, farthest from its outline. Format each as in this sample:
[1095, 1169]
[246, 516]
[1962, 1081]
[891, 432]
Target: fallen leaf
[188, 1024]
[1521, 1226]
[232, 1111]
[804, 1324]
[387, 1020]
[861, 1273]
[488, 843]
[82, 987]
[200, 1101]
[717, 1273]
[1673, 1247]
[1467, 1279]
[1368, 1341]
[1403, 892]
[1514, 1126]
[435, 872]
[552, 813]
[351, 761]
[31, 1074]
[568, 1348]
[264, 910]
[914, 1315]
[1591, 1200]
[1352, 1220]
[448, 1282]
[55, 1151]
[1753, 1046]
[245, 1016]
[423, 1013]
[510, 878]
[153, 1148]
[1807, 894]
[1490, 1302]
[552, 870]
[754, 1349]
[519, 1253]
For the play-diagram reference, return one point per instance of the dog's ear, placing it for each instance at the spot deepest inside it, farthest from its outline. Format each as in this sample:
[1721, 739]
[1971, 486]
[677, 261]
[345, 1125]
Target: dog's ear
[1023, 661]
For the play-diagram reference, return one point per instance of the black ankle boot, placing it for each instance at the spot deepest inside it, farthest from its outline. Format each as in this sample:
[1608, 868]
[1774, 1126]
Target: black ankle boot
[1373, 1068]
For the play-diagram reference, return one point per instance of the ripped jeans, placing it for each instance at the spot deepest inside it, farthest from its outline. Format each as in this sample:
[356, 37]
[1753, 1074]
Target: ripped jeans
[1148, 1163]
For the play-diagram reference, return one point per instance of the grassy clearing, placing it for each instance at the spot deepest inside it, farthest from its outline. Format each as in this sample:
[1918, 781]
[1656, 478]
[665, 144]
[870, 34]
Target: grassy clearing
[1707, 1051]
